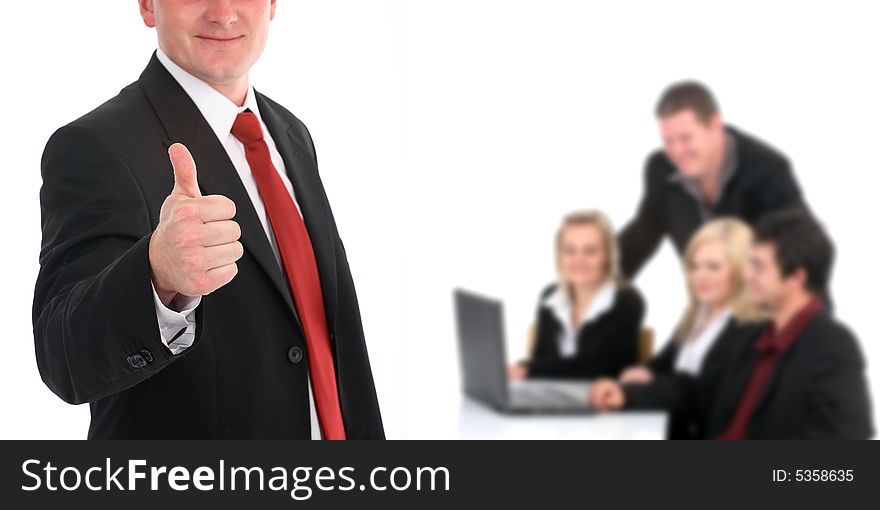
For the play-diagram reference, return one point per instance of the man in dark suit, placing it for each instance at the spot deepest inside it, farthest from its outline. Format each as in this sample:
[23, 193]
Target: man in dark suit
[803, 375]
[705, 170]
[209, 303]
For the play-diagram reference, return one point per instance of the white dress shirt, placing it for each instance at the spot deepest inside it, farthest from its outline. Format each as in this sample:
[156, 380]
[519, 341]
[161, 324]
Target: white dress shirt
[560, 303]
[220, 113]
[693, 350]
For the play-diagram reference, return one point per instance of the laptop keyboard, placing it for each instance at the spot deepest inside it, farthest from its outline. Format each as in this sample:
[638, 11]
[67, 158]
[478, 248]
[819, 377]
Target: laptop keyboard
[549, 394]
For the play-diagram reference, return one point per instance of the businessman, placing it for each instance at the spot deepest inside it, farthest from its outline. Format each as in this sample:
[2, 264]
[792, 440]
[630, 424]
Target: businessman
[706, 169]
[192, 280]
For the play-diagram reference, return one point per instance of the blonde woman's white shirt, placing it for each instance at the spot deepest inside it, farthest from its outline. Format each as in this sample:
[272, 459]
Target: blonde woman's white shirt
[693, 350]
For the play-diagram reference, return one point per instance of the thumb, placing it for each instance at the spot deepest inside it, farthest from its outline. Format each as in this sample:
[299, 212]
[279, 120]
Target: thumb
[185, 182]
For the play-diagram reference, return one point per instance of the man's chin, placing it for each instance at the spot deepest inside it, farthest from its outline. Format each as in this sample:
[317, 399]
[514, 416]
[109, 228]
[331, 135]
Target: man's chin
[222, 75]
[689, 172]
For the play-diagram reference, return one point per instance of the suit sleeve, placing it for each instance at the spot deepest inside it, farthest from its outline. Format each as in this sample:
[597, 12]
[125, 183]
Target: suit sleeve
[672, 392]
[96, 331]
[541, 336]
[839, 405]
[641, 237]
[604, 355]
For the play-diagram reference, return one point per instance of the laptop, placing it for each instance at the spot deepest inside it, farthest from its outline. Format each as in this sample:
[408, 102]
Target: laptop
[482, 341]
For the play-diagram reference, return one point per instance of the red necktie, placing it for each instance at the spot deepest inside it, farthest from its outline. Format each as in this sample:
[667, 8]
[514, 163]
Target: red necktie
[298, 260]
[771, 345]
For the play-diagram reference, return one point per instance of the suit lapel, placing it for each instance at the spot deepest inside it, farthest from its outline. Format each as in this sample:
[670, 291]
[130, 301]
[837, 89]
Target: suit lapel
[738, 366]
[184, 123]
[302, 171]
[784, 363]
[779, 371]
[772, 382]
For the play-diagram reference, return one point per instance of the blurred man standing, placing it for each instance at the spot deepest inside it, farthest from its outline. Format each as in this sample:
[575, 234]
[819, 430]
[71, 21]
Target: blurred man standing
[705, 170]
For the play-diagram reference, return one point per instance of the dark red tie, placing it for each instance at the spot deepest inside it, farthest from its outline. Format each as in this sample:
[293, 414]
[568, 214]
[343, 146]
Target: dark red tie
[771, 346]
[298, 259]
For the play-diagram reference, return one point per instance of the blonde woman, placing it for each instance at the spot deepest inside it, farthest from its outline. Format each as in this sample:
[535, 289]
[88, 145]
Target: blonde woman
[587, 322]
[720, 313]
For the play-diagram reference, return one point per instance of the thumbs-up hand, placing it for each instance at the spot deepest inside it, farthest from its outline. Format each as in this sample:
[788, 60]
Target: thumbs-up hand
[195, 246]
[185, 181]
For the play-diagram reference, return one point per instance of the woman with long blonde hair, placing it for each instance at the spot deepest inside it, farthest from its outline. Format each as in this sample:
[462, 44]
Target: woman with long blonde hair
[720, 311]
[588, 321]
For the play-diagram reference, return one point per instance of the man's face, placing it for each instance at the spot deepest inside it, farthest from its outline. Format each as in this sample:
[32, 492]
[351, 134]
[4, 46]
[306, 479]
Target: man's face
[690, 143]
[767, 285]
[215, 40]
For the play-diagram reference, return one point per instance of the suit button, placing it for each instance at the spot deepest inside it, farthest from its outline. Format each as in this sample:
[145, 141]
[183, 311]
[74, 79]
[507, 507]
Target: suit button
[295, 355]
[147, 355]
[137, 361]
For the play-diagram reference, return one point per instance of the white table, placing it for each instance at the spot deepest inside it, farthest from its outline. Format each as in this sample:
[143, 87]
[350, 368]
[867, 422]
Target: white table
[477, 421]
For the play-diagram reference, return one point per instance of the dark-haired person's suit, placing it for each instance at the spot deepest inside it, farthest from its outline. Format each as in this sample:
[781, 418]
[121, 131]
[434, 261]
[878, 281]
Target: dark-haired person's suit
[105, 177]
[817, 390]
[755, 180]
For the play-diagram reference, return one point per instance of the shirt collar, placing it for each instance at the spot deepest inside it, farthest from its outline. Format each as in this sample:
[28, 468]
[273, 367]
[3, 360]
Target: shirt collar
[560, 302]
[217, 109]
[780, 341]
[721, 318]
[728, 168]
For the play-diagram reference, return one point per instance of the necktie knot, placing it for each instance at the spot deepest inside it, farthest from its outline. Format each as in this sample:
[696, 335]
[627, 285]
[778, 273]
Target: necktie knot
[247, 127]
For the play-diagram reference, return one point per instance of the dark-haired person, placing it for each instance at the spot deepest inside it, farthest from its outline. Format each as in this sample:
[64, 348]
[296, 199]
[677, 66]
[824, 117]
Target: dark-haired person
[706, 169]
[803, 376]
[588, 322]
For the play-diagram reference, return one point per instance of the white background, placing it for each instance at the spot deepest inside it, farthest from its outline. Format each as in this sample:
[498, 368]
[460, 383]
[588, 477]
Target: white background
[453, 135]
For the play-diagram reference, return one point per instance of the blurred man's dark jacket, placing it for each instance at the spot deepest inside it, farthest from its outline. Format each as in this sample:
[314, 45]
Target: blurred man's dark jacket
[757, 179]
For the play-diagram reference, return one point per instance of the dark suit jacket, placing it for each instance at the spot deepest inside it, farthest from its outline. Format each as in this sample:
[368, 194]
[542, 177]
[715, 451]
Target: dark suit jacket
[605, 345]
[762, 182]
[105, 177]
[684, 396]
[818, 389]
